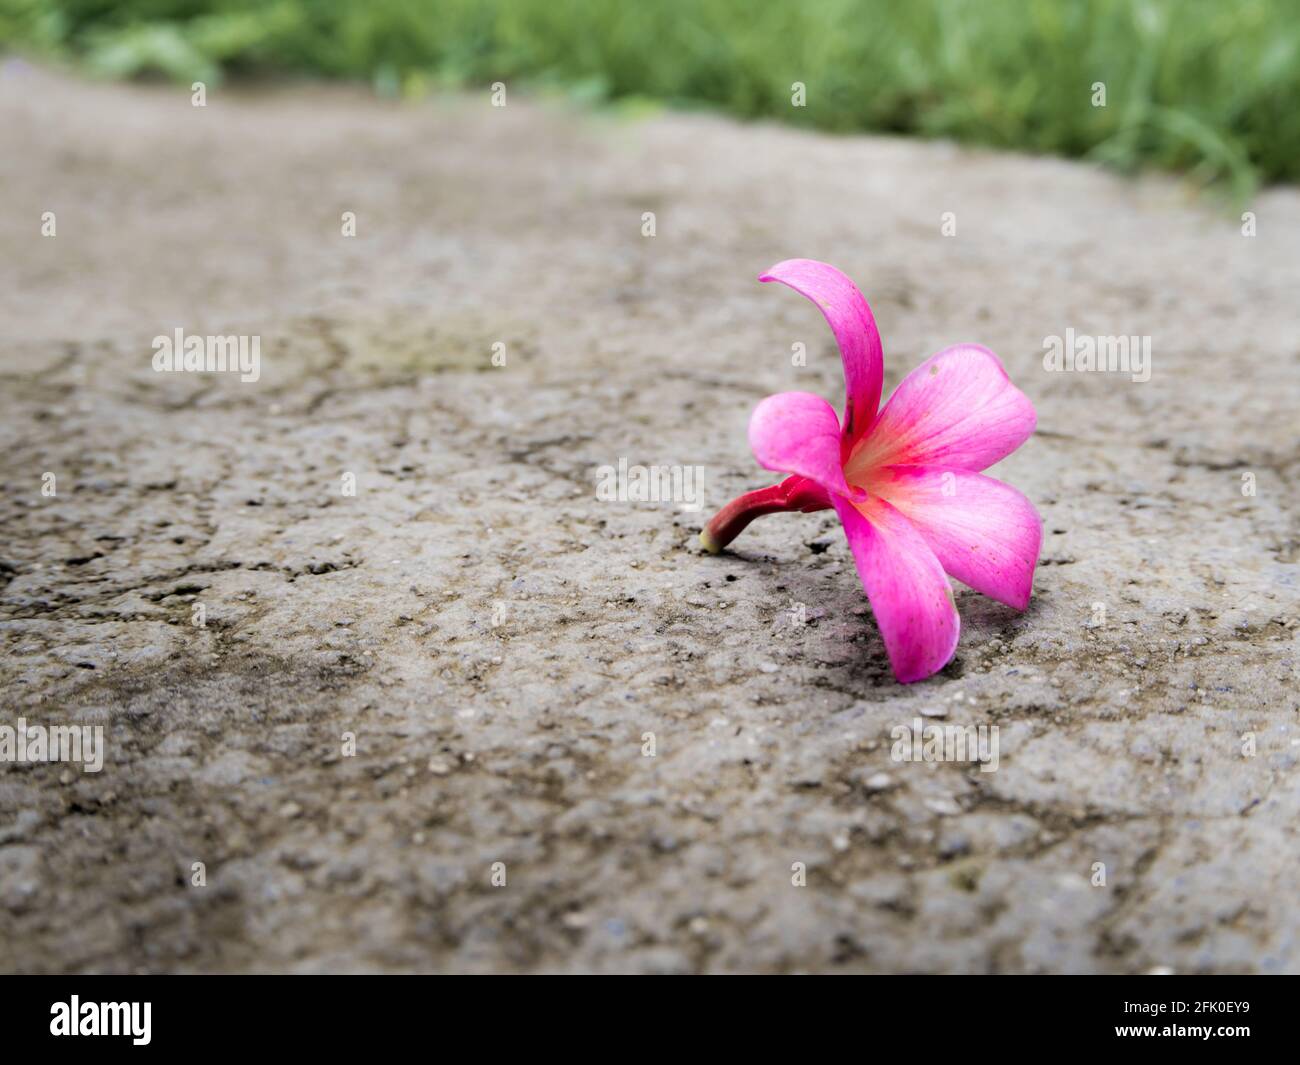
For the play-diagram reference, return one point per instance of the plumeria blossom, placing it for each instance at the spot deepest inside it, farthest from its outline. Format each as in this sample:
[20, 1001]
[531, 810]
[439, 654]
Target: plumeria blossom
[904, 478]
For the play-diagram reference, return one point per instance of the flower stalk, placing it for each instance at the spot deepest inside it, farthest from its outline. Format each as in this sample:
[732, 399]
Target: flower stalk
[794, 493]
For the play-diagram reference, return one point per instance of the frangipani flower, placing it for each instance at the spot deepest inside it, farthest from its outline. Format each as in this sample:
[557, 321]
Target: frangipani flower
[905, 478]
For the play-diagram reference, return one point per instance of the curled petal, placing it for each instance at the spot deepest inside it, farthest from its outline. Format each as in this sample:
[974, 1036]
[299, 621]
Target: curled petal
[957, 409]
[850, 319]
[983, 532]
[909, 593]
[797, 432]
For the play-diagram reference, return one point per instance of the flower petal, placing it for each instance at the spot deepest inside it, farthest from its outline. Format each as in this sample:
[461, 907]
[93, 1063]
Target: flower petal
[983, 532]
[909, 593]
[797, 432]
[805, 495]
[855, 331]
[957, 409]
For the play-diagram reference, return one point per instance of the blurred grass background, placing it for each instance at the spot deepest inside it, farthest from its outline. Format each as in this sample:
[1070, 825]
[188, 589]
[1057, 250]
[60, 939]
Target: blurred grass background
[1207, 87]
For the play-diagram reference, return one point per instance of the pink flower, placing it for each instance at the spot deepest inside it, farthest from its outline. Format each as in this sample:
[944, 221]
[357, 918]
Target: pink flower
[903, 478]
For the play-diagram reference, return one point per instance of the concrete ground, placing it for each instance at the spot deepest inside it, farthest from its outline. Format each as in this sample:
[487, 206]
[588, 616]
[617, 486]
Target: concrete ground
[498, 641]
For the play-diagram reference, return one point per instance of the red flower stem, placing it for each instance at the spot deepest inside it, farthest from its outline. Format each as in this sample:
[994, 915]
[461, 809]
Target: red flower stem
[794, 493]
[730, 521]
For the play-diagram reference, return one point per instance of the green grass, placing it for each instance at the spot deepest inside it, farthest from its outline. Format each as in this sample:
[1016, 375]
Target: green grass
[1207, 87]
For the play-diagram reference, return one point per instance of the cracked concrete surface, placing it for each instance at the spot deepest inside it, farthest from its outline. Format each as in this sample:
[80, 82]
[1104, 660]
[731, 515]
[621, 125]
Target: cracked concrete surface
[498, 640]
